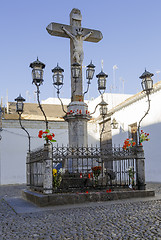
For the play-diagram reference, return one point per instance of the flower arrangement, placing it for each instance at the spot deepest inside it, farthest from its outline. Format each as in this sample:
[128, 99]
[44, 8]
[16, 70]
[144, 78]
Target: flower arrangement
[96, 172]
[47, 135]
[57, 177]
[144, 136]
[128, 143]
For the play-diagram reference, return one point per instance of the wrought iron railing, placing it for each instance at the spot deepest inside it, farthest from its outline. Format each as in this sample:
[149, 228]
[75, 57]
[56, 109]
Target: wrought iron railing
[36, 169]
[78, 163]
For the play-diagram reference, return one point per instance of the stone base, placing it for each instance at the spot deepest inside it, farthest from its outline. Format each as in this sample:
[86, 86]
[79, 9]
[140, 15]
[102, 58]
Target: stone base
[74, 198]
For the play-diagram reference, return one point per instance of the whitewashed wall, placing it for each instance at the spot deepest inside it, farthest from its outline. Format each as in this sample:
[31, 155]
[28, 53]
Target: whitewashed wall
[150, 124]
[14, 145]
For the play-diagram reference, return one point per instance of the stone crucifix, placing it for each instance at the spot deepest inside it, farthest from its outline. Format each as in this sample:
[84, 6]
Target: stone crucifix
[77, 35]
[78, 54]
[78, 114]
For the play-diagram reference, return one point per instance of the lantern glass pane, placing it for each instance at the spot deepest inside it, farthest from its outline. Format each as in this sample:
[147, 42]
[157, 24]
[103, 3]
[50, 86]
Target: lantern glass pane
[147, 84]
[101, 110]
[101, 83]
[37, 74]
[104, 110]
[19, 107]
[90, 73]
[58, 79]
[75, 72]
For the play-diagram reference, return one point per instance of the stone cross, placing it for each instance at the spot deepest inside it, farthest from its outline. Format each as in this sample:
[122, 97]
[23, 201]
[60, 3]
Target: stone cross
[77, 115]
[77, 35]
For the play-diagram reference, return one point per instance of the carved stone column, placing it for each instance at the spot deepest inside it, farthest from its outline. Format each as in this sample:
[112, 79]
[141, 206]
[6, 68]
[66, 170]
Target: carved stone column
[48, 166]
[140, 168]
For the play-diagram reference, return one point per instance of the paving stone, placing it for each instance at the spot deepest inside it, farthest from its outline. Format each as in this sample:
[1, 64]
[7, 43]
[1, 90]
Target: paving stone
[117, 220]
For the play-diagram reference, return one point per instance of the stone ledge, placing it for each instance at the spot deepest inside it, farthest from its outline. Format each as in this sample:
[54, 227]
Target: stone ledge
[75, 198]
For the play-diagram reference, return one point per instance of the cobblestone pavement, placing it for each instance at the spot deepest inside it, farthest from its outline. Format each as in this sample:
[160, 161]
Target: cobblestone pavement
[122, 220]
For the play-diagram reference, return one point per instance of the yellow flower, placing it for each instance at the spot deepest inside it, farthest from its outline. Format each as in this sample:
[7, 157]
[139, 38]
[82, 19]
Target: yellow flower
[54, 172]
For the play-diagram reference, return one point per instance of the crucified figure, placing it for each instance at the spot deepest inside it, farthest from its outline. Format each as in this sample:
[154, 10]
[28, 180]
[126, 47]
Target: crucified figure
[78, 54]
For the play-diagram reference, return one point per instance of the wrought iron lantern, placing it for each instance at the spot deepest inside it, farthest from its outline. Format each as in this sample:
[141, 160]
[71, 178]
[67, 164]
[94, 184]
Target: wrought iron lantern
[58, 77]
[90, 72]
[76, 70]
[37, 72]
[114, 124]
[103, 108]
[101, 81]
[147, 85]
[147, 82]
[19, 110]
[19, 104]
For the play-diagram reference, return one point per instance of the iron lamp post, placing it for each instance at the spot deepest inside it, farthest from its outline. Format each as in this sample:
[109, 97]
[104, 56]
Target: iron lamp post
[76, 70]
[103, 108]
[147, 82]
[103, 113]
[90, 71]
[101, 88]
[89, 75]
[76, 73]
[19, 104]
[58, 81]
[147, 86]
[101, 82]
[58, 77]
[37, 76]
[19, 109]
[37, 72]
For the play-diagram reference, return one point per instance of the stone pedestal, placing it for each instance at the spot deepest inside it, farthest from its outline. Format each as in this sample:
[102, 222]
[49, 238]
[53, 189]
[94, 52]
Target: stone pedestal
[140, 168]
[77, 118]
[48, 167]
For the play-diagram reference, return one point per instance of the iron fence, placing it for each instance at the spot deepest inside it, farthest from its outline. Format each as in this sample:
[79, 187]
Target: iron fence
[35, 168]
[75, 167]
[78, 165]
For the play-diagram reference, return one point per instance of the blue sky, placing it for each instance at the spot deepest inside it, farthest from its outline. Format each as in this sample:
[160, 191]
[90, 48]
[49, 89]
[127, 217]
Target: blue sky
[131, 40]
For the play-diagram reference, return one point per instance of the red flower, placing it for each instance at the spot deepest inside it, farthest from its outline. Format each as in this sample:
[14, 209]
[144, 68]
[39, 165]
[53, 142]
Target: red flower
[40, 136]
[49, 137]
[53, 135]
[40, 132]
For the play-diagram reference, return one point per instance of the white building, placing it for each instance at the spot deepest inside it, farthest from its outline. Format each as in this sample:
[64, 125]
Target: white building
[128, 115]
[14, 142]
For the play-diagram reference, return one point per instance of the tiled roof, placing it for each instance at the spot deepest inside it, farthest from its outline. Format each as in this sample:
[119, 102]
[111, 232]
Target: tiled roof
[33, 112]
